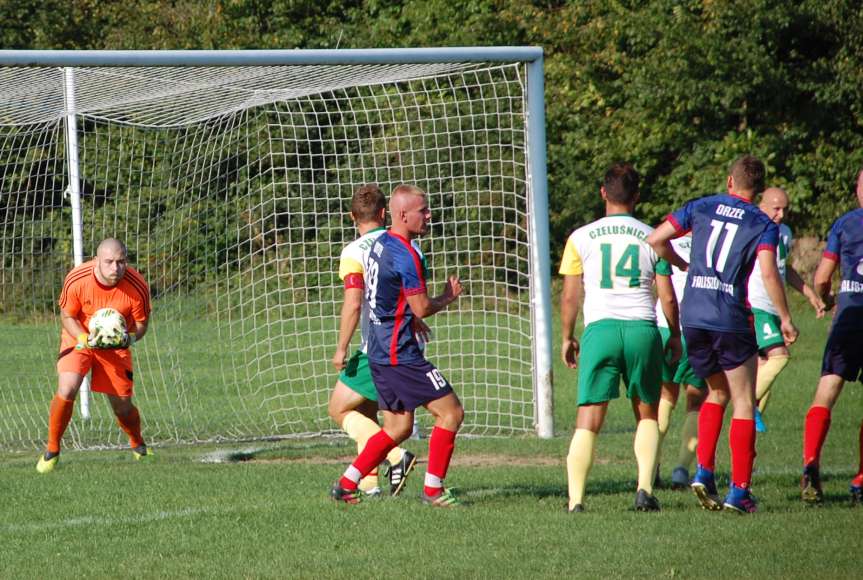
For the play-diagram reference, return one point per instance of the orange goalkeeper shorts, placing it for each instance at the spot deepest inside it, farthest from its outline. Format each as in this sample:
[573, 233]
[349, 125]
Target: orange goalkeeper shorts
[112, 368]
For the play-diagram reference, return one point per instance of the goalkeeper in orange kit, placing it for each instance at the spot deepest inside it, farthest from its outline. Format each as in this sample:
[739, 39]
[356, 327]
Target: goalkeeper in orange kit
[104, 282]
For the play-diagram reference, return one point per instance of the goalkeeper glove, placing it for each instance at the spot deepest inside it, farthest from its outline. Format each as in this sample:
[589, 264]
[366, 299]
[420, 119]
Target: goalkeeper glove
[83, 341]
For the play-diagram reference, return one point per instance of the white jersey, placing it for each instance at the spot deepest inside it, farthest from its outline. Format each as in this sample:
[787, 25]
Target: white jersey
[683, 247]
[617, 265]
[353, 261]
[758, 297]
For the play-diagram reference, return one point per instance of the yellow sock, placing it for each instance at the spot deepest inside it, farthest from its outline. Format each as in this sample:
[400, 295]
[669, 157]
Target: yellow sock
[359, 428]
[578, 464]
[767, 374]
[688, 440]
[395, 455]
[663, 423]
[646, 447]
[369, 482]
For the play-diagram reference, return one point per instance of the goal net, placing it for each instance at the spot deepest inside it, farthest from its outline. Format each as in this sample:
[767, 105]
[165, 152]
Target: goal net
[231, 186]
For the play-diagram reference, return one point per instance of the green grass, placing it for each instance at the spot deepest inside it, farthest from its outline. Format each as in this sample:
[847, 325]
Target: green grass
[103, 515]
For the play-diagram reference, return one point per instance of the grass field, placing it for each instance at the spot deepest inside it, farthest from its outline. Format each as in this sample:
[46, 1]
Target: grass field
[103, 515]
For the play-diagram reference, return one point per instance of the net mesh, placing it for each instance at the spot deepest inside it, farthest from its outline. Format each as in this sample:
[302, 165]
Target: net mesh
[231, 187]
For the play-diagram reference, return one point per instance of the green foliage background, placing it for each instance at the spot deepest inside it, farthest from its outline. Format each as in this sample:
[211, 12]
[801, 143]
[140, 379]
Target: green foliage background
[678, 87]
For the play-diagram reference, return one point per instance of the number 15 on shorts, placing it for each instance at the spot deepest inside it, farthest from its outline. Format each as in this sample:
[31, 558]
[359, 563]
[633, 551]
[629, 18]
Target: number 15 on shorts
[436, 379]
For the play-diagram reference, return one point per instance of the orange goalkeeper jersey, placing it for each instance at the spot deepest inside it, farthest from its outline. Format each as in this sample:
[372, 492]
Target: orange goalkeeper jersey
[83, 295]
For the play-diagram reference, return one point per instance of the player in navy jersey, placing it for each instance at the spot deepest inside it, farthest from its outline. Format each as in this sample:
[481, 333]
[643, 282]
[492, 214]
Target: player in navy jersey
[728, 234]
[843, 354]
[353, 401]
[396, 293]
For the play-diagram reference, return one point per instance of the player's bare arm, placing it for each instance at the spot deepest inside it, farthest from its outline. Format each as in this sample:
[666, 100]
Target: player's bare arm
[668, 301]
[71, 325]
[823, 281]
[570, 303]
[775, 287]
[350, 318]
[141, 329]
[660, 241]
[423, 306]
[795, 280]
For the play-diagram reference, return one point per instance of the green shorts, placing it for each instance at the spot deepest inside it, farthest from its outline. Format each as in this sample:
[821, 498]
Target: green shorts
[680, 373]
[357, 376]
[612, 350]
[768, 330]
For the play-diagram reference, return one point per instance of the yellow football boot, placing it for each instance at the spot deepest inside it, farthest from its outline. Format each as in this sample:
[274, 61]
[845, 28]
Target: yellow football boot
[47, 462]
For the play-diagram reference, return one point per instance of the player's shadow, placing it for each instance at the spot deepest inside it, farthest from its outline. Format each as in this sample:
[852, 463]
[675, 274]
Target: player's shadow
[541, 492]
[477, 494]
[610, 487]
[326, 450]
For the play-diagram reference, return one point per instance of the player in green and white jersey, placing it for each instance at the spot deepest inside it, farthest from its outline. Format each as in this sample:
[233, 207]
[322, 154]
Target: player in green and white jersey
[675, 375]
[610, 264]
[773, 355]
[353, 402]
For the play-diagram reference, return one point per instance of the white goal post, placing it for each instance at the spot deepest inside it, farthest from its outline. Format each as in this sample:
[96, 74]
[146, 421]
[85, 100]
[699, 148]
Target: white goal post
[229, 175]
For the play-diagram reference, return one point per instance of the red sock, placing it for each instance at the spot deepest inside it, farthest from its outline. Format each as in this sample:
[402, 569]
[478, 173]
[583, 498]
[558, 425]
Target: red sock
[373, 453]
[814, 433]
[741, 439]
[441, 446]
[709, 428]
[858, 479]
[59, 416]
[131, 424]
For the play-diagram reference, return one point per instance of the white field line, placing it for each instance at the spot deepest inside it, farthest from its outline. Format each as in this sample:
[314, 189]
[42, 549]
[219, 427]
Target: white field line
[113, 521]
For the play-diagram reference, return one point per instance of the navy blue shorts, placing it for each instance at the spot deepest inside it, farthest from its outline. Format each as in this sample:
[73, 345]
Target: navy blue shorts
[406, 386]
[712, 351]
[843, 356]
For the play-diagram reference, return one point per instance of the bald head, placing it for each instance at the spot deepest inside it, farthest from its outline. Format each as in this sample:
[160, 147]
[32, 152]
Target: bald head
[409, 211]
[111, 245]
[110, 261]
[774, 202]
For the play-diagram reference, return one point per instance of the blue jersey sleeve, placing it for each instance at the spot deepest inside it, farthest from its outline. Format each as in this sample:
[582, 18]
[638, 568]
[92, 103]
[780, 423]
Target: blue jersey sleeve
[834, 243]
[682, 218]
[769, 239]
[410, 269]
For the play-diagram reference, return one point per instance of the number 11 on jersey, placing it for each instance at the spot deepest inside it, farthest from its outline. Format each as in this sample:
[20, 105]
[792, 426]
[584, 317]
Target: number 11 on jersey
[716, 230]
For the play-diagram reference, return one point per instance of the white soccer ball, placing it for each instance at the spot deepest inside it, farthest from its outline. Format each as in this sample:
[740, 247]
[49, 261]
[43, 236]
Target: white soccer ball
[107, 328]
